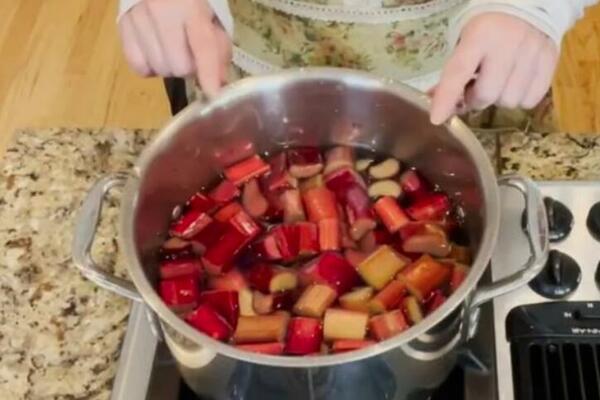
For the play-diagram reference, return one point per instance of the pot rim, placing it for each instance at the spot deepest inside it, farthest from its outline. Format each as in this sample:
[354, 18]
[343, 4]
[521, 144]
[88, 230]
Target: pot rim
[246, 86]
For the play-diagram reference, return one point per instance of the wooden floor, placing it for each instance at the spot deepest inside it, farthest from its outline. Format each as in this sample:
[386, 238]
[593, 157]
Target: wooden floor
[61, 65]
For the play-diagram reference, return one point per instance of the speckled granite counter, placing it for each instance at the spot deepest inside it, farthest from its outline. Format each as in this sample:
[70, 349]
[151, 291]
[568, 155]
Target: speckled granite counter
[59, 334]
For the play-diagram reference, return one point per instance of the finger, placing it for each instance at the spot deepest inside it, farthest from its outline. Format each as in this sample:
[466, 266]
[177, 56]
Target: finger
[225, 50]
[456, 74]
[148, 39]
[133, 52]
[172, 39]
[544, 73]
[203, 43]
[523, 71]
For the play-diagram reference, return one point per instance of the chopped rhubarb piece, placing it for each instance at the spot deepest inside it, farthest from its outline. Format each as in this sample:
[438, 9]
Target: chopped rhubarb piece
[267, 249]
[232, 280]
[391, 214]
[313, 182]
[388, 298]
[245, 225]
[421, 228]
[431, 243]
[344, 324]
[270, 279]
[253, 200]
[355, 257]
[201, 202]
[304, 162]
[176, 248]
[279, 178]
[435, 300]
[413, 185]
[308, 239]
[233, 151]
[413, 309]
[262, 303]
[293, 211]
[339, 181]
[429, 208]
[261, 328]
[359, 212]
[333, 269]
[273, 349]
[459, 273]
[304, 336]
[425, 275]
[358, 299]
[339, 157]
[381, 267]
[181, 267]
[243, 171]
[373, 239]
[190, 224]
[207, 320]
[288, 241]
[341, 346]
[228, 211]
[315, 300]
[346, 241]
[246, 300]
[225, 192]
[329, 234]
[225, 302]
[386, 325]
[460, 254]
[180, 294]
[385, 169]
[320, 204]
[218, 257]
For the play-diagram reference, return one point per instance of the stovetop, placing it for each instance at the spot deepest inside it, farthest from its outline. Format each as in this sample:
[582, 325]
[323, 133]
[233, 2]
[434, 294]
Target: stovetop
[148, 372]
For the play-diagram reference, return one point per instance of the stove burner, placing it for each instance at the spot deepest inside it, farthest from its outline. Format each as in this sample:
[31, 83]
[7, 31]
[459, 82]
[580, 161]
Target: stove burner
[560, 219]
[561, 276]
[593, 221]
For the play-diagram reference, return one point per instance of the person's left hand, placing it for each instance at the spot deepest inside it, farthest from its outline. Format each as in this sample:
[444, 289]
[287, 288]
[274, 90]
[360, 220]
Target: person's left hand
[500, 59]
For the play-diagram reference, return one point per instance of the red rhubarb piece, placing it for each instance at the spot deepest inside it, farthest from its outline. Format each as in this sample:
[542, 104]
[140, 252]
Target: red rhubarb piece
[293, 211]
[190, 223]
[320, 204]
[329, 234]
[304, 162]
[358, 210]
[233, 151]
[391, 214]
[228, 211]
[355, 257]
[245, 225]
[279, 178]
[201, 202]
[332, 269]
[219, 256]
[341, 346]
[388, 298]
[387, 325]
[304, 336]
[208, 236]
[287, 237]
[339, 181]
[434, 244]
[308, 239]
[207, 320]
[225, 302]
[232, 280]
[273, 349]
[424, 276]
[413, 185]
[435, 301]
[459, 273]
[271, 279]
[225, 192]
[242, 172]
[339, 157]
[267, 249]
[180, 294]
[253, 200]
[429, 208]
[181, 267]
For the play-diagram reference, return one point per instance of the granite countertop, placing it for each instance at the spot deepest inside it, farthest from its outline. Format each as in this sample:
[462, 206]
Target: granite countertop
[59, 333]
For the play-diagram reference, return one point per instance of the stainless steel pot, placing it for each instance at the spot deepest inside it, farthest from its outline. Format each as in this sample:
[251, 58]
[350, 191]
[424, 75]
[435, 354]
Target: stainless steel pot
[322, 106]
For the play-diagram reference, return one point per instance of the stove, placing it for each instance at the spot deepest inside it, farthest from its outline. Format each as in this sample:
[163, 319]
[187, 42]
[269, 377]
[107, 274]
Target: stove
[539, 342]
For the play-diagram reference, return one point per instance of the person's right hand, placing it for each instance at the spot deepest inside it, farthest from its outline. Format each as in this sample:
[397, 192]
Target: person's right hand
[177, 38]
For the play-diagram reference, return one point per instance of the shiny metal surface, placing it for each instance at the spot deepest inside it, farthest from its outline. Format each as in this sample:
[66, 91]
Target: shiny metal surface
[512, 250]
[322, 107]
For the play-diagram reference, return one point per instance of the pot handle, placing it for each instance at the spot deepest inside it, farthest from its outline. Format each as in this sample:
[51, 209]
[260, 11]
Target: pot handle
[537, 236]
[85, 231]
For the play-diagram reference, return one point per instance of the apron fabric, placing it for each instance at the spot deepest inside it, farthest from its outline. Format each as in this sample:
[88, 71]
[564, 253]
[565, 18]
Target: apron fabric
[403, 40]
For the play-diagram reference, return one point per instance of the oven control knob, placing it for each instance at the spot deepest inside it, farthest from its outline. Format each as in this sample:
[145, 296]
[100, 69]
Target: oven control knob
[593, 221]
[559, 278]
[560, 219]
